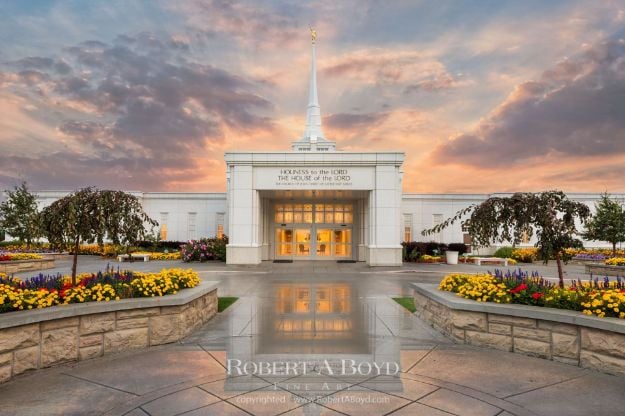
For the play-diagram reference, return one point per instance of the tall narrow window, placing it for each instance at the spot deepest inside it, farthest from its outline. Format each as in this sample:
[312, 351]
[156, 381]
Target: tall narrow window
[437, 219]
[191, 226]
[466, 237]
[219, 224]
[163, 225]
[407, 227]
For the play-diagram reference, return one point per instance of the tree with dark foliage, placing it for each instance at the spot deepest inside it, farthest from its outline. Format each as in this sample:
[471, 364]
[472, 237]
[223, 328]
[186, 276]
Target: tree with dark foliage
[19, 215]
[549, 215]
[91, 215]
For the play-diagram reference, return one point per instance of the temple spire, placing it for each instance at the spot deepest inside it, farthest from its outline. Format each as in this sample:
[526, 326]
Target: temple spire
[313, 134]
[313, 111]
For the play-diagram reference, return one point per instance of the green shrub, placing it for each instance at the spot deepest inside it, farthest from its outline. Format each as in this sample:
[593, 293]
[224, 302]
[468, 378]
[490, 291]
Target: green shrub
[504, 252]
[414, 255]
[461, 248]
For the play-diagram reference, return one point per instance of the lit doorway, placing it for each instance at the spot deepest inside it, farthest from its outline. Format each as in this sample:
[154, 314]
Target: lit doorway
[319, 231]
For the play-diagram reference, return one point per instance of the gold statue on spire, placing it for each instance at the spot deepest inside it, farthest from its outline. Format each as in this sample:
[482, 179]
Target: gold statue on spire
[313, 34]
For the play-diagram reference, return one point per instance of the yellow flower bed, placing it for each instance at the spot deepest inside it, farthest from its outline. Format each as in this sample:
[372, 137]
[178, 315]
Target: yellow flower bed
[426, 258]
[161, 256]
[590, 251]
[525, 255]
[112, 250]
[479, 287]
[616, 261]
[98, 293]
[588, 298]
[18, 299]
[23, 256]
[609, 302]
[91, 249]
[166, 282]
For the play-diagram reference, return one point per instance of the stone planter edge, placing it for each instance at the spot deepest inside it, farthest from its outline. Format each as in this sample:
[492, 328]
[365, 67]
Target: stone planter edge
[553, 334]
[184, 296]
[563, 316]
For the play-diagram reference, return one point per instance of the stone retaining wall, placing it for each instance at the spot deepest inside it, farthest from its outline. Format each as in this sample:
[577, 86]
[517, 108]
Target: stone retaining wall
[16, 266]
[565, 336]
[73, 335]
[600, 270]
[56, 256]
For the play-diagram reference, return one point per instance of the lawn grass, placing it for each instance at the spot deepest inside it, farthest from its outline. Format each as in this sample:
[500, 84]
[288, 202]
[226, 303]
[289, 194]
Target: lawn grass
[407, 303]
[223, 303]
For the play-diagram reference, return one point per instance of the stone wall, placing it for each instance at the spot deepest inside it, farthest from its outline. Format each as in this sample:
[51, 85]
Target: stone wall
[84, 336]
[57, 256]
[16, 266]
[551, 334]
[604, 269]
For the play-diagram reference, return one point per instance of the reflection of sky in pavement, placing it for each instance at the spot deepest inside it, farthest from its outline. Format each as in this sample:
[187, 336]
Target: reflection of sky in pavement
[331, 335]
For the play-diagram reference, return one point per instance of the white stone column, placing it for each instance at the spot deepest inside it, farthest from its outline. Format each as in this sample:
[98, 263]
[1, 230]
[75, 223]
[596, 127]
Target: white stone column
[360, 221]
[385, 218]
[266, 228]
[244, 217]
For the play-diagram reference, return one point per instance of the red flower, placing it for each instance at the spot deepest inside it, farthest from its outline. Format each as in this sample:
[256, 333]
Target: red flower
[537, 295]
[519, 288]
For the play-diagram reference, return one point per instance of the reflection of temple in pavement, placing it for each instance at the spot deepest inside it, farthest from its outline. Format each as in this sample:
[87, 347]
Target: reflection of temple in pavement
[313, 319]
[312, 323]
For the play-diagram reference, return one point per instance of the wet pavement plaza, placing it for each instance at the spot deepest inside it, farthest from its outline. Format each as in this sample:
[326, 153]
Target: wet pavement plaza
[314, 339]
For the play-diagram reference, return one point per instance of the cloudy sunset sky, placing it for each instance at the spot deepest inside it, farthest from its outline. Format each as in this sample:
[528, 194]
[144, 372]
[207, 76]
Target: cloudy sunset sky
[483, 96]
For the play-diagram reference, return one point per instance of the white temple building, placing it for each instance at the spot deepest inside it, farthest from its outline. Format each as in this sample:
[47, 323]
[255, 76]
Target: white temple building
[312, 202]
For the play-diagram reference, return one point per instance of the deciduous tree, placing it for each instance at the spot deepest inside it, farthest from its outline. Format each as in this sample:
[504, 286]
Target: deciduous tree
[93, 216]
[550, 215]
[19, 215]
[608, 222]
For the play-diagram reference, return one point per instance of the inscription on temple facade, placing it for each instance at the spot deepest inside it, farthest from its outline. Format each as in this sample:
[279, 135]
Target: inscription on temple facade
[314, 176]
[339, 177]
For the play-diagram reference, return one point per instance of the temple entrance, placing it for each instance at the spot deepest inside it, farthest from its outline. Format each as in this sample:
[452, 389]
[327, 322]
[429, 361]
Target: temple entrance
[313, 243]
[319, 231]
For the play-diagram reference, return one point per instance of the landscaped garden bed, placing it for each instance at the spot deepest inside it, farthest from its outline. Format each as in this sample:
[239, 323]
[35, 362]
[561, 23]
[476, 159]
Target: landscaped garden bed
[105, 313]
[593, 297]
[604, 269]
[205, 249]
[614, 266]
[24, 262]
[19, 256]
[114, 250]
[49, 290]
[581, 324]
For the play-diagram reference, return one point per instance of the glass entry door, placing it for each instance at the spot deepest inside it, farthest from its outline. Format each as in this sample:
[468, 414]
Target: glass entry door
[320, 243]
[302, 242]
[284, 242]
[343, 243]
[313, 230]
[324, 243]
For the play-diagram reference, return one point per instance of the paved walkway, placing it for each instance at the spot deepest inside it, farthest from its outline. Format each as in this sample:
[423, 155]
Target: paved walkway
[324, 315]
